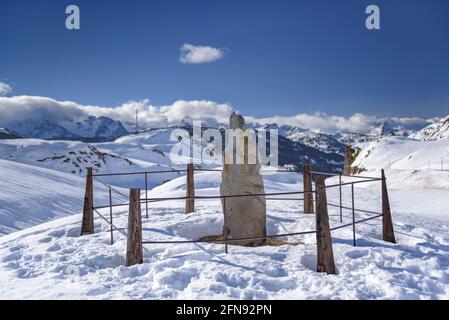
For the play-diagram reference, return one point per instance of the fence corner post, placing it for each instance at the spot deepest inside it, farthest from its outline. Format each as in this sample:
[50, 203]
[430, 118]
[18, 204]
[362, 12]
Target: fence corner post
[387, 221]
[134, 253]
[325, 255]
[190, 191]
[87, 226]
[308, 195]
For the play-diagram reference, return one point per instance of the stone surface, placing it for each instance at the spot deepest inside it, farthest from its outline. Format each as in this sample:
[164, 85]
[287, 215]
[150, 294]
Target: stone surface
[244, 216]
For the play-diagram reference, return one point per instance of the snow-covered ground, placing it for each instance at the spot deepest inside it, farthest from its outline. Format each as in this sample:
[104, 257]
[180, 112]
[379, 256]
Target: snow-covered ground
[51, 260]
[148, 151]
[403, 153]
[31, 195]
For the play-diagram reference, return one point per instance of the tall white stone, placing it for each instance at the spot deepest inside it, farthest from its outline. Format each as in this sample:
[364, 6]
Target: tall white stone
[244, 216]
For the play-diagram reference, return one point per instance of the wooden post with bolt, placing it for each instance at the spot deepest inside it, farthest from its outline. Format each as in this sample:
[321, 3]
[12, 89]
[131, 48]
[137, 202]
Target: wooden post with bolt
[325, 255]
[387, 221]
[190, 192]
[87, 226]
[134, 253]
[308, 194]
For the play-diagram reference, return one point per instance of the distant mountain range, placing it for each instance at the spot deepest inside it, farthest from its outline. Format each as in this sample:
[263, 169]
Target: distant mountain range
[91, 129]
[297, 146]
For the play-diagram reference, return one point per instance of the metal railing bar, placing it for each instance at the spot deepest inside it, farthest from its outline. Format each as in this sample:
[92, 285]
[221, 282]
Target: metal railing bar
[108, 222]
[357, 222]
[110, 187]
[229, 196]
[231, 240]
[257, 238]
[349, 183]
[136, 173]
[350, 208]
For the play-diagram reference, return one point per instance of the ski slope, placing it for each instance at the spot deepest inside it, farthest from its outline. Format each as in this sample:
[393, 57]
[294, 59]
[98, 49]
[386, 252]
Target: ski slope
[31, 195]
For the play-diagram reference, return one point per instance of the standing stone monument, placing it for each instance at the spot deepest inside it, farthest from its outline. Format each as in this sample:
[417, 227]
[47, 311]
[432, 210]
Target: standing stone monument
[244, 217]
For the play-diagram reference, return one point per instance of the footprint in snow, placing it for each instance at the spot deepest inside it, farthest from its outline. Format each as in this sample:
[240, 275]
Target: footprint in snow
[45, 240]
[54, 248]
[355, 254]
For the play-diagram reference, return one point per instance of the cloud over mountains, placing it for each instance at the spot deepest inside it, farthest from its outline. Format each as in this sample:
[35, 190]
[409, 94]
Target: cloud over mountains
[21, 108]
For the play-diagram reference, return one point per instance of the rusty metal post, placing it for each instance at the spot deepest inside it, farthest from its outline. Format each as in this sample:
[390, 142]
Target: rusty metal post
[353, 216]
[308, 194]
[387, 221]
[325, 255]
[87, 226]
[110, 215]
[226, 231]
[190, 192]
[134, 253]
[146, 195]
[341, 201]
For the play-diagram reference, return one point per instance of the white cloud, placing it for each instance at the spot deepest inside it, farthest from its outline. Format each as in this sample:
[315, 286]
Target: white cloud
[21, 108]
[358, 122]
[322, 122]
[5, 89]
[191, 54]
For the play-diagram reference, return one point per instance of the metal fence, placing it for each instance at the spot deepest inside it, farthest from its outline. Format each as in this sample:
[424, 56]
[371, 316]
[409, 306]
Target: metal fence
[274, 196]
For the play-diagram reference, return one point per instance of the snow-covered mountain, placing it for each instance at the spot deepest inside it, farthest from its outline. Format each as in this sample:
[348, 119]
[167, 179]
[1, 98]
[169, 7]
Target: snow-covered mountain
[97, 128]
[354, 139]
[291, 153]
[42, 129]
[390, 128]
[409, 163]
[91, 129]
[320, 141]
[6, 134]
[436, 131]
[404, 153]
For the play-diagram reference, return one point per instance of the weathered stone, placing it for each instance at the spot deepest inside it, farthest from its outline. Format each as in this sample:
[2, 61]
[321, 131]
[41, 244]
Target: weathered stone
[244, 216]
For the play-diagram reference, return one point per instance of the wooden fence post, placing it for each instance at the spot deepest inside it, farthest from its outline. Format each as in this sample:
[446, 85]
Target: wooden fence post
[325, 255]
[308, 194]
[134, 254]
[387, 221]
[87, 226]
[190, 192]
[348, 161]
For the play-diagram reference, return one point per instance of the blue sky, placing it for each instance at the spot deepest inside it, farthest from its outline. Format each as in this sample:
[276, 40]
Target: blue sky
[281, 57]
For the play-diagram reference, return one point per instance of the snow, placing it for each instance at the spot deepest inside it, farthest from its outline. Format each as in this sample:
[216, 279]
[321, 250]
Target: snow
[74, 157]
[42, 255]
[410, 163]
[435, 131]
[404, 153]
[31, 195]
[51, 261]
